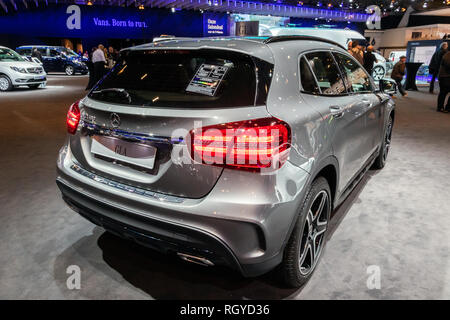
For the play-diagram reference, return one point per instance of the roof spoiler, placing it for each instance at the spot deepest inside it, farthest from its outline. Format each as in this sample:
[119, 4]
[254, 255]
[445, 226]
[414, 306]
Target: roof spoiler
[295, 37]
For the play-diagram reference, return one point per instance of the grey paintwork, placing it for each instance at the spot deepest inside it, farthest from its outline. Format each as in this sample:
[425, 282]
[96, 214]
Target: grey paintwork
[234, 205]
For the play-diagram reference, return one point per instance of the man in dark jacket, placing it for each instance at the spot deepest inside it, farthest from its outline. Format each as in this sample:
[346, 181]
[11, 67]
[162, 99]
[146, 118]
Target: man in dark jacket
[36, 54]
[435, 63]
[444, 83]
[369, 59]
[398, 73]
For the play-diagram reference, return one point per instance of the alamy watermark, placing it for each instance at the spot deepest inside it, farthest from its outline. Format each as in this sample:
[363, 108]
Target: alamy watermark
[73, 281]
[374, 279]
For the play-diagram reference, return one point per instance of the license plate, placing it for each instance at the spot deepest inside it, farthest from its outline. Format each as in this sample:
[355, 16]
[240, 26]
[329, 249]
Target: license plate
[39, 78]
[134, 153]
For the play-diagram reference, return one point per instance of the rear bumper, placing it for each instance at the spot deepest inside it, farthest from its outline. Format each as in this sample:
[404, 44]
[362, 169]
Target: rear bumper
[246, 233]
[162, 236]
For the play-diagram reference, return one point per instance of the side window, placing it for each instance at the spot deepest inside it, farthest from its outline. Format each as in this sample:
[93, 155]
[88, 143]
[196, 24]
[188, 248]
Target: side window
[308, 82]
[43, 51]
[54, 53]
[24, 52]
[356, 78]
[327, 73]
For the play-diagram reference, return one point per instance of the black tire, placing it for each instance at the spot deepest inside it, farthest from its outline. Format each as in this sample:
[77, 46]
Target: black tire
[69, 70]
[292, 268]
[380, 161]
[5, 83]
[33, 86]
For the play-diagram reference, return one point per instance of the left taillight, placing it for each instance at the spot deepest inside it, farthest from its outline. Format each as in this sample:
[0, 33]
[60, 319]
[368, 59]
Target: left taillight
[73, 118]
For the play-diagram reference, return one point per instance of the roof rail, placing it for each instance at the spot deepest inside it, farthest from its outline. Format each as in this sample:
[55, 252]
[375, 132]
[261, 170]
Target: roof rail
[295, 37]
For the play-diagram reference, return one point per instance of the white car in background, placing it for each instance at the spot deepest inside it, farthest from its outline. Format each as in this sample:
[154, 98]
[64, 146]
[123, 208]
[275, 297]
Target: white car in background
[380, 67]
[394, 56]
[341, 36]
[16, 71]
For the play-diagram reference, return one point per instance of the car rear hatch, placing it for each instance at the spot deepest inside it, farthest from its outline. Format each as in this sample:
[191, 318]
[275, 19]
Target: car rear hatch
[135, 123]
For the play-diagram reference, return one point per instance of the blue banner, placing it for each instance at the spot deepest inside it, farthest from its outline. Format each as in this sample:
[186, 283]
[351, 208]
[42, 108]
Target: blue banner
[79, 21]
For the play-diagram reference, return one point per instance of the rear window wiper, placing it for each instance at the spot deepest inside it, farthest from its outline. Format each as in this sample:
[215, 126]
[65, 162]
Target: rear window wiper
[121, 91]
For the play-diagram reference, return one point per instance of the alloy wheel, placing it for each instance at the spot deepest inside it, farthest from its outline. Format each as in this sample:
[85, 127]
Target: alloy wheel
[387, 140]
[314, 232]
[378, 73]
[4, 84]
[69, 70]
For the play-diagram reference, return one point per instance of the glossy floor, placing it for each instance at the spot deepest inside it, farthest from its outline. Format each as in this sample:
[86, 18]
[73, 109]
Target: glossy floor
[396, 222]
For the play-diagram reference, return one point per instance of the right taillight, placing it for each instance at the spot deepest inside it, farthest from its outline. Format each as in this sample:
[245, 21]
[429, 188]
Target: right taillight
[252, 144]
[73, 118]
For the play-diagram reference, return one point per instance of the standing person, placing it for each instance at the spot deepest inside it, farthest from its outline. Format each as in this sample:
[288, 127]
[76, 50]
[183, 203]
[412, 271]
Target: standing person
[444, 83]
[357, 53]
[113, 53]
[110, 58]
[369, 59]
[435, 63]
[99, 61]
[398, 73]
[90, 66]
[105, 52]
[36, 54]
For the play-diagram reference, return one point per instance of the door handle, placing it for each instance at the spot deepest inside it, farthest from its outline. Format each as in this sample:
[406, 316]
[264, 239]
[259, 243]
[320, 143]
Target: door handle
[336, 111]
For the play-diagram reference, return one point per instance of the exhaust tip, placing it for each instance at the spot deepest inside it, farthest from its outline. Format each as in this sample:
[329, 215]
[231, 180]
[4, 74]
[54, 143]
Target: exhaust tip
[193, 259]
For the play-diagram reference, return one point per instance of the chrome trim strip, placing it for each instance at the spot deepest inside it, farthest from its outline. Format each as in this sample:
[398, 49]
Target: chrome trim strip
[194, 259]
[96, 129]
[150, 194]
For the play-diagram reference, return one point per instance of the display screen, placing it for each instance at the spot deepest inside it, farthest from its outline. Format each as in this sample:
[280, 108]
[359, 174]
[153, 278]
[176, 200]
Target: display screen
[423, 54]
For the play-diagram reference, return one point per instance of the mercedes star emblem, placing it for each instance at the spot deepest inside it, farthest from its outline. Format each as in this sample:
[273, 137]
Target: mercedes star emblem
[115, 120]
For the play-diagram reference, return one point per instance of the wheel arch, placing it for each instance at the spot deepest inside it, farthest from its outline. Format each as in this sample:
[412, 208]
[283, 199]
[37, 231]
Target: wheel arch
[392, 114]
[328, 168]
[329, 172]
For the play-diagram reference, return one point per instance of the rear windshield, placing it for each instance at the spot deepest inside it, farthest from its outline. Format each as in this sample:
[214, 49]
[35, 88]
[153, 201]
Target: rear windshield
[185, 78]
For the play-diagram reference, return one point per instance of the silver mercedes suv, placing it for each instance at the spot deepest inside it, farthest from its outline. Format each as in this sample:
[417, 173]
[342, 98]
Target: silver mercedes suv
[230, 151]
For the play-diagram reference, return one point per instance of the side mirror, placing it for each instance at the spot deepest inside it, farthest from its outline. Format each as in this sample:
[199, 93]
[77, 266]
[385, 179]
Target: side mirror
[388, 86]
